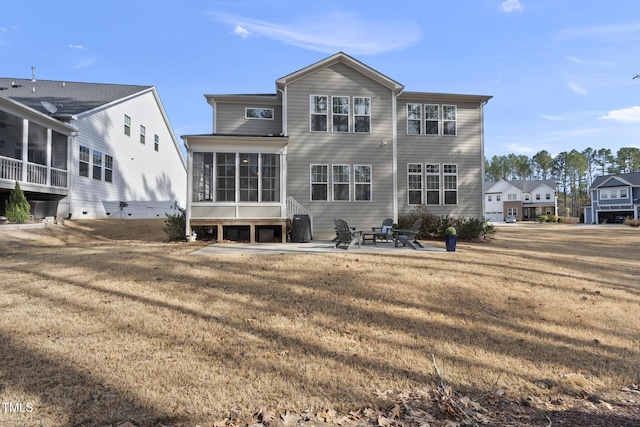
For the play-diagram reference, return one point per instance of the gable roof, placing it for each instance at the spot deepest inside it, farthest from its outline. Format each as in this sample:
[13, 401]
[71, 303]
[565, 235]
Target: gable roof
[522, 185]
[70, 98]
[347, 60]
[617, 180]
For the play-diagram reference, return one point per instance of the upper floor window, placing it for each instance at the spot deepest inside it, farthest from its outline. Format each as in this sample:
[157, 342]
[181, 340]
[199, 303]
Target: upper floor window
[623, 193]
[488, 198]
[340, 113]
[362, 180]
[127, 125]
[361, 114]
[547, 196]
[83, 166]
[512, 196]
[538, 196]
[431, 119]
[497, 197]
[156, 142]
[319, 112]
[97, 164]
[258, 113]
[414, 119]
[449, 120]
[108, 168]
[604, 194]
[527, 197]
[143, 134]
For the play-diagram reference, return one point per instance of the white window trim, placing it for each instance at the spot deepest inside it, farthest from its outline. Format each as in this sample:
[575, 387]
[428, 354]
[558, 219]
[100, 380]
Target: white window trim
[409, 190]
[455, 109]
[333, 183]
[419, 120]
[444, 190]
[108, 168]
[246, 111]
[353, 103]
[438, 121]
[347, 115]
[311, 182]
[440, 184]
[86, 161]
[127, 125]
[356, 184]
[327, 115]
[143, 134]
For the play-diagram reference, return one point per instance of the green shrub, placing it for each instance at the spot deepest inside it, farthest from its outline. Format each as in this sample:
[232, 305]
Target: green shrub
[543, 218]
[435, 227]
[554, 218]
[175, 226]
[17, 208]
[450, 231]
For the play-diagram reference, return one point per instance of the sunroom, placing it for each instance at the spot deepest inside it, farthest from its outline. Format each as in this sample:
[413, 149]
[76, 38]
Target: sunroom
[236, 187]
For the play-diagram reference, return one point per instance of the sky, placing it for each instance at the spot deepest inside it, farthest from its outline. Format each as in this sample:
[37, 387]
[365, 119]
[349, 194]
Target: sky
[561, 73]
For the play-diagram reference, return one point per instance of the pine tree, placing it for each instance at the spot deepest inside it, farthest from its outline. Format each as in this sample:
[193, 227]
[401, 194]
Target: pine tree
[17, 208]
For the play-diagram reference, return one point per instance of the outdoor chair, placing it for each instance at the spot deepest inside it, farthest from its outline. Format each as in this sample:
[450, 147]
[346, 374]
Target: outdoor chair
[408, 236]
[383, 232]
[346, 235]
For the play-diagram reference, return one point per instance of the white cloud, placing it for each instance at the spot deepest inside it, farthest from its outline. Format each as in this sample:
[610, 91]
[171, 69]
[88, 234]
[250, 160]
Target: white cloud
[77, 46]
[604, 31]
[625, 115]
[516, 148]
[242, 32]
[328, 34]
[509, 6]
[577, 89]
[555, 118]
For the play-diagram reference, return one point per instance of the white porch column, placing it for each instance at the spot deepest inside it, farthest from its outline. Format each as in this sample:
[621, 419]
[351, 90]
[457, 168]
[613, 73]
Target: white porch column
[25, 148]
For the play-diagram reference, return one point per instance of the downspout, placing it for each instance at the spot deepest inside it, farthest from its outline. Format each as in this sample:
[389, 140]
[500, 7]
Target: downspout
[283, 166]
[189, 190]
[482, 170]
[394, 167]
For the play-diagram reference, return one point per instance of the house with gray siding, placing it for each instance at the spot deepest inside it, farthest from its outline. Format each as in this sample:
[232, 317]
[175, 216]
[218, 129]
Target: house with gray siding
[89, 150]
[336, 139]
[614, 198]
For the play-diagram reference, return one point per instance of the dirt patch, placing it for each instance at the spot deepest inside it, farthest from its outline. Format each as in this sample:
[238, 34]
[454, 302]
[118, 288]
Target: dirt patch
[104, 323]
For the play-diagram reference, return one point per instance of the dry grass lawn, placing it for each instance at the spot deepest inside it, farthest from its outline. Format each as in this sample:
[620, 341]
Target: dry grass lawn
[103, 322]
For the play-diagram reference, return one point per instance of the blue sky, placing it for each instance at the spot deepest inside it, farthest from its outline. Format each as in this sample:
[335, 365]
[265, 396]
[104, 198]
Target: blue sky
[560, 72]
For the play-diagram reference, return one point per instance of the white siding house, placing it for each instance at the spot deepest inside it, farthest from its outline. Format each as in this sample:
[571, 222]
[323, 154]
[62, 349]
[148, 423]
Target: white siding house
[123, 160]
[525, 200]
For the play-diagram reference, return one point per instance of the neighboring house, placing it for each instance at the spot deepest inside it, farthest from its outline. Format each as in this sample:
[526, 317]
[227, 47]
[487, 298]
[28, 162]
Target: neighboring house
[336, 139]
[89, 150]
[614, 198]
[525, 200]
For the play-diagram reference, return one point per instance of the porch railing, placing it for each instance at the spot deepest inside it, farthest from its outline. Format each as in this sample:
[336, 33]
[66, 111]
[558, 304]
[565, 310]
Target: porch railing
[11, 169]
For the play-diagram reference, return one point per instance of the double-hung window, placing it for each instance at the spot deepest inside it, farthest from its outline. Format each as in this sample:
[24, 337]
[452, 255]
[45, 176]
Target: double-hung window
[319, 112]
[362, 182]
[361, 114]
[414, 119]
[449, 120]
[431, 119]
[156, 142]
[143, 134]
[623, 193]
[414, 183]
[97, 165]
[127, 125]
[450, 184]
[340, 113]
[83, 166]
[432, 178]
[341, 185]
[319, 182]
[108, 168]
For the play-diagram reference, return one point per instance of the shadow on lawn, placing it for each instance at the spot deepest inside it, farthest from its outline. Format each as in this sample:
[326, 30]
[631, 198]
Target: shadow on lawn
[340, 298]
